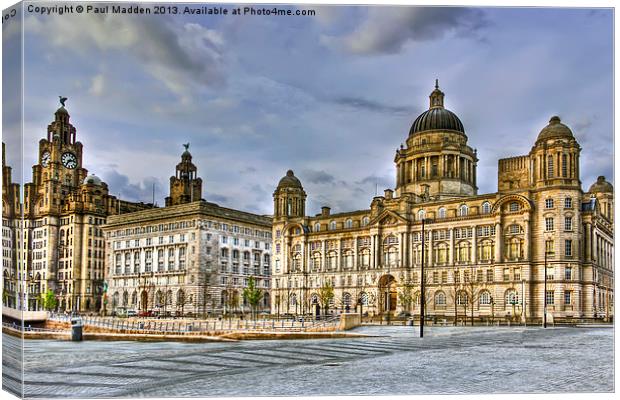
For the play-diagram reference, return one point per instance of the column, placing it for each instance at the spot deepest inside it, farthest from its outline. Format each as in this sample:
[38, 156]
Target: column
[528, 239]
[372, 252]
[324, 255]
[401, 250]
[355, 254]
[339, 257]
[474, 245]
[431, 249]
[498, 242]
[451, 249]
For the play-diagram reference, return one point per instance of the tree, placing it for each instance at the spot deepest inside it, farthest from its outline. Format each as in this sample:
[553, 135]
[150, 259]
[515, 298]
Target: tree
[326, 294]
[48, 300]
[405, 295]
[252, 295]
[181, 300]
[470, 287]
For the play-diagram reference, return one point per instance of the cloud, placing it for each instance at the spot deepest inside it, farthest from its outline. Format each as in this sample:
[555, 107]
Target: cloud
[121, 186]
[370, 105]
[386, 30]
[218, 198]
[97, 85]
[180, 56]
[317, 177]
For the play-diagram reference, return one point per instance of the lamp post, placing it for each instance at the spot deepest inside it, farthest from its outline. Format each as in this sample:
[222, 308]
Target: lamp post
[545, 290]
[422, 297]
[523, 301]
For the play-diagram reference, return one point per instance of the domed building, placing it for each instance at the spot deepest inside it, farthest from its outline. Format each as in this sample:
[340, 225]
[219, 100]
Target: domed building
[485, 256]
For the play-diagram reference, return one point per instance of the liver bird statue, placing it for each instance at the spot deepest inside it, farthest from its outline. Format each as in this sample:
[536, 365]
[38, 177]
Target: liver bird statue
[62, 100]
[186, 145]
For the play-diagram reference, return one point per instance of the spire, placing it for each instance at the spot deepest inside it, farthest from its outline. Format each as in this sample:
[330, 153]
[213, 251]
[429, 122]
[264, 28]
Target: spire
[436, 96]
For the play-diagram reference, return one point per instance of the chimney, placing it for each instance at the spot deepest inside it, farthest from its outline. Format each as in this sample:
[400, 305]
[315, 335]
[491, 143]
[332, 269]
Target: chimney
[325, 211]
[388, 194]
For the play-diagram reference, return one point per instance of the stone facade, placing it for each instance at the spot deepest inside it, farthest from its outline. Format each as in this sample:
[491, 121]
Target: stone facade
[191, 257]
[57, 244]
[483, 253]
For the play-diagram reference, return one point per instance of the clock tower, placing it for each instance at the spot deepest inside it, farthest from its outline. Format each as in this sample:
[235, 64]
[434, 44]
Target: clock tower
[59, 171]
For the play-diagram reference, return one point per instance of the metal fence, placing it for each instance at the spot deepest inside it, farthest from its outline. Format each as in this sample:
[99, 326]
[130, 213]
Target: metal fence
[195, 327]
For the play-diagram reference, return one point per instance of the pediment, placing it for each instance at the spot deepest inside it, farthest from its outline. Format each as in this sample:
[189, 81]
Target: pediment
[388, 218]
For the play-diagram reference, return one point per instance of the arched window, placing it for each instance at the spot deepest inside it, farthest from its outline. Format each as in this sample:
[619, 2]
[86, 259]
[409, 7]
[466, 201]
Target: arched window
[514, 206]
[293, 299]
[549, 166]
[421, 215]
[365, 221]
[486, 207]
[463, 210]
[235, 254]
[440, 299]
[346, 300]
[441, 213]
[365, 257]
[348, 224]
[316, 261]
[317, 227]
[332, 226]
[348, 259]
[364, 298]
[462, 298]
[485, 298]
[512, 297]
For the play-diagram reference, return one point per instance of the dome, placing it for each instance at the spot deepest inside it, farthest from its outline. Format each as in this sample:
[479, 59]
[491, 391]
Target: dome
[601, 186]
[555, 130]
[437, 118]
[290, 180]
[92, 179]
[62, 110]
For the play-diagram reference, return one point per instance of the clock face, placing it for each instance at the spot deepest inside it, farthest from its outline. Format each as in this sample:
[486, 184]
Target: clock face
[45, 159]
[69, 160]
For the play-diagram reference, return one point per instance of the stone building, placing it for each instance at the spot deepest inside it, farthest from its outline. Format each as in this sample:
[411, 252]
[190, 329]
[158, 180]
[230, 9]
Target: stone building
[485, 255]
[191, 257]
[52, 238]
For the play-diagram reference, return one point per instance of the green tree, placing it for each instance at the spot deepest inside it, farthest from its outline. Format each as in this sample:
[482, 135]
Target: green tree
[405, 295]
[48, 300]
[326, 294]
[252, 295]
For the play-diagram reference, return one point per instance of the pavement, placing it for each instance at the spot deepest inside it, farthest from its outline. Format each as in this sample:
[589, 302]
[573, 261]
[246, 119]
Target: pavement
[448, 360]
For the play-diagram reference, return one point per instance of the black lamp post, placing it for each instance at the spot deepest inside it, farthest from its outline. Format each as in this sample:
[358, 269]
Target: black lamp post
[422, 297]
[545, 290]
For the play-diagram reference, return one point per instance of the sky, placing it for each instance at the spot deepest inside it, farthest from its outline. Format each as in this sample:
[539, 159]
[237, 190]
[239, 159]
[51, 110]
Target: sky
[330, 96]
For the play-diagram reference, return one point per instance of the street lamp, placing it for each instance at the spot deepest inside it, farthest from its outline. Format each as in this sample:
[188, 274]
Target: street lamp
[545, 289]
[422, 297]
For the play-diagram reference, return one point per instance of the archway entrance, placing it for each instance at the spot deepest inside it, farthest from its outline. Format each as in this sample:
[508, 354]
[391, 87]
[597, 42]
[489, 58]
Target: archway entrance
[387, 291]
[144, 300]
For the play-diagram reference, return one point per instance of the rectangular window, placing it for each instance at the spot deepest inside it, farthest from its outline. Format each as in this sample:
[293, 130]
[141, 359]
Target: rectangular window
[568, 273]
[567, 297]
[550, 273]
[549, 203]
[444, 277]
[568, 223]
[549, 247]
[568, 202]
[489, 275]
[466, 276]
[224, 239]
[435, 277]
[517, 274]
[549, 224]
[568, 248]
[506, 274]
[549, 297]
[457, 276]
[479, 275]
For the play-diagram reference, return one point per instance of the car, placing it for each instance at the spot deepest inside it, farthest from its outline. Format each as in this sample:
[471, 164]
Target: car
[132, 313]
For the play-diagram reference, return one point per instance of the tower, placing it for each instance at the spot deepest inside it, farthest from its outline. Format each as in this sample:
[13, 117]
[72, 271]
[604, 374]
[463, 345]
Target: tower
[436, 162]
[289, 198]
[185, 186]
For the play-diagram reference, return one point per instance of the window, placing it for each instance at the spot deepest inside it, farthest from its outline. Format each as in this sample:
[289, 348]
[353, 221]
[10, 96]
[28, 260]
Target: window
[549, 296]
[489, 275]
[549, 166]
[568, 223]
[549, 247]
[514, 206]
[485, 298]
[463, 210]
[461, 298]
[421, 215]
[567, 297]
[549, 223]
[568, 248]
[332, 225]
[486, 207]
[568, 202]
[440, 299]
[348, 224]
[549, 203]
[564, 166]
[514, 228]
[512, 297]
[550, 273]
[457, 276]
[365, 221]
[441, 213]
[435, 277]
[479, 275]
[506, 274]
[444, 277]
[517, 274]
[568, 273]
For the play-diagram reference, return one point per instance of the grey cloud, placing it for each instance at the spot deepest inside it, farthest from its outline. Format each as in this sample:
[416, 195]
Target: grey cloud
[247, 170]
[317, 177]
[387, 29]
[370, 105]
[177, 55]
[119, 185]
[218, 198]
[381, 181]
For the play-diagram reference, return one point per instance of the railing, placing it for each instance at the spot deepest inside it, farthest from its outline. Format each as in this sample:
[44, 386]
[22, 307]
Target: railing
[153, 326]
[28, 328]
